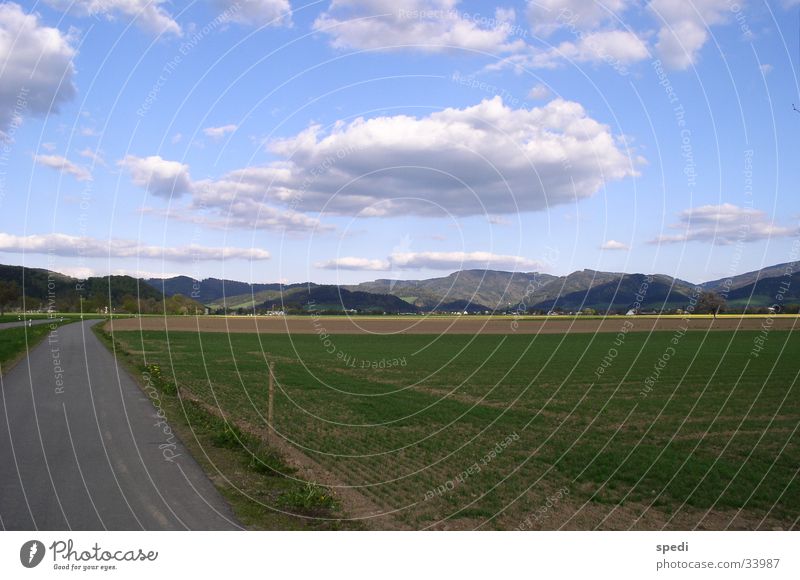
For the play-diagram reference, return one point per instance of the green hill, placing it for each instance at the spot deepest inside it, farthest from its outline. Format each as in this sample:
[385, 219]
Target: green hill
[335, 299]
[489, 288]
[43, 289]
[619, 295]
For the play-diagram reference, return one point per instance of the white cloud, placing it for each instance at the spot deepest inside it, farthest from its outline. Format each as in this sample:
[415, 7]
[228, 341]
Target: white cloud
[219, 132]
[723, 225]
[94, 155]
[548, 16]
[767, 68]
[616, 48]
[176, 138]
[352, 263]
[612, 47]
[484, 158]
[83, 272]
[160, 177]
[209, 211]
[149, 14]
[36, 70]
[63, 164]
[144, 274]
[685, 28]
[613, 245]
[426, 25]
[257, 12]
[80, 272]
[539, 92]
[49, 146]
[68, 245]
[433, 261]
[461, 260]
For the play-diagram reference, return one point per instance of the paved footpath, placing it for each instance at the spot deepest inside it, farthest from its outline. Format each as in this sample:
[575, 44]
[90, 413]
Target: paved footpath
[36, 322]
[83, 448]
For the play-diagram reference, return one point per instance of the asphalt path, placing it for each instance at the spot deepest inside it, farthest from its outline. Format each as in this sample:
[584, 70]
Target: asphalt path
[34, 322]
[82, 447]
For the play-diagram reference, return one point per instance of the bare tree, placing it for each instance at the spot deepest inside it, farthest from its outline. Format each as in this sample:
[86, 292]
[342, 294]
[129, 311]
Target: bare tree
[710, 303]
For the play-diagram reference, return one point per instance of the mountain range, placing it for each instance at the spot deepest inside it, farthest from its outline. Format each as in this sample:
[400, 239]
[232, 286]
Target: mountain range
[493, 290]
[463, 291]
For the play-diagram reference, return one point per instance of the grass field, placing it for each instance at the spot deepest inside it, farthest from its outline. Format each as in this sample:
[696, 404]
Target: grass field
[513, 431]
[16, 341]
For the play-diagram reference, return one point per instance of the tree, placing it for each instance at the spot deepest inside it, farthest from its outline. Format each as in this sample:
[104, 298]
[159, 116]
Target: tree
[31, 303]
[710, 303]
[130, 304]
[9, 293]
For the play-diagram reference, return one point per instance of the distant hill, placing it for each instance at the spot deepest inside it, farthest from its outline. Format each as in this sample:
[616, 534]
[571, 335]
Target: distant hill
[620, 294]
[488, 288]
[748, 278]
[208, 290]
[66, 292]
[465, 290]
[765, 291]
[576, 282]
[337, 299]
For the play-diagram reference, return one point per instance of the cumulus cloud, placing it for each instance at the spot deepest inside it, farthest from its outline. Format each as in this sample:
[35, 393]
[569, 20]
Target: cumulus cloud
[484, 158]
[36, 70]
[613, 245]
[148, 14]
[548, 16]
[219, 132]
[723, 225]
[257, 12]
[64, 165]
[613, 47]
[160, 177]
[427, 25]
[616, 48]
[433, 261]
[685, 28]
[68, 245]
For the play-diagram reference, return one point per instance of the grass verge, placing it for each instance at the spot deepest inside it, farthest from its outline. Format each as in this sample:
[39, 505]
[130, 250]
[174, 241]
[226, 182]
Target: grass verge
[15, 342]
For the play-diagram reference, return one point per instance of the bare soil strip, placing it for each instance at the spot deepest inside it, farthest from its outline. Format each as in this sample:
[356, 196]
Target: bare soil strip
[443, 325]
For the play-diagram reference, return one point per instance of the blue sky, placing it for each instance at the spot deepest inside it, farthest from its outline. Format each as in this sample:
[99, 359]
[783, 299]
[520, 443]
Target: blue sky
[348, 140]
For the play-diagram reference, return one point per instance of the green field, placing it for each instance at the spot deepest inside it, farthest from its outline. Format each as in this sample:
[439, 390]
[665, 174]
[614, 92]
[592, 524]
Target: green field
[713, 444]
[14, 342]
